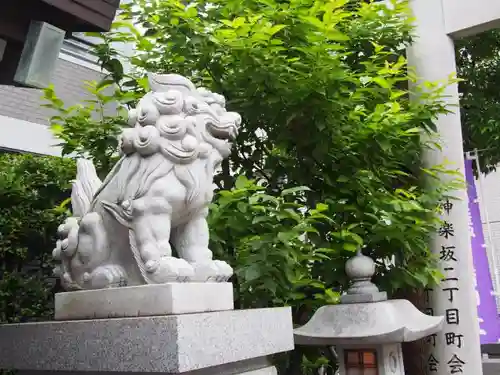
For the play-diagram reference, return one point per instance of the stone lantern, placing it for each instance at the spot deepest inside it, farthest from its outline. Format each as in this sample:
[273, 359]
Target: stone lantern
[366, 329]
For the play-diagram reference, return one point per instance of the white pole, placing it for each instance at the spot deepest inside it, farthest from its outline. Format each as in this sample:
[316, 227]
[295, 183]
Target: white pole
[455, 350]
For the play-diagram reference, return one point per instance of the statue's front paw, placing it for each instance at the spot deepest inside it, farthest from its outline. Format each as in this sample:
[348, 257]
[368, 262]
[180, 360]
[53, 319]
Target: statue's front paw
[212, 271]
[225, 270]
[68, 239]
[169, 269]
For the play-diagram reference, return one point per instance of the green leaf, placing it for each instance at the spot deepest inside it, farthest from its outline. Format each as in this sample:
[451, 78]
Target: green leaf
[242, 207]
[321, 207]
[349, 246]
[115, 67]
[191, 12]
[285, 237]
[313, 21]
[104, 83]
[275, 29]
[294, 190]
[382, 82]
[252, 273]
[241, 182]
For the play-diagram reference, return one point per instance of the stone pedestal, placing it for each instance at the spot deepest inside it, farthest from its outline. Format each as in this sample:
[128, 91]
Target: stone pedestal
[216, 342]
[144, 300]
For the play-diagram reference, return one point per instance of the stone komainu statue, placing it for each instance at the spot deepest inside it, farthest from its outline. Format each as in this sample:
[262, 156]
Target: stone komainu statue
[156, 195]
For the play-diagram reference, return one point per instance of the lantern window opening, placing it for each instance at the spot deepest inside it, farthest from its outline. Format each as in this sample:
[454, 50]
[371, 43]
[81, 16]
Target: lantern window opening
[361, 362]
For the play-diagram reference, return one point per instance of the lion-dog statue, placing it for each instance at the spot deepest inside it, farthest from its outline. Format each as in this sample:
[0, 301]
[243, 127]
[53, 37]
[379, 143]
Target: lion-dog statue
[156, 196]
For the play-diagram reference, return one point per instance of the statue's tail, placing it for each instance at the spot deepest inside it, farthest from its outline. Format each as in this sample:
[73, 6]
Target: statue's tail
[85, 186]
[83, 247]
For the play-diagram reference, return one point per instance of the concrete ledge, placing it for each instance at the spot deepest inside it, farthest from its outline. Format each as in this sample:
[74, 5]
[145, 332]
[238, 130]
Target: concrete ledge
[167, 344]
[144, 300]
[491, 366]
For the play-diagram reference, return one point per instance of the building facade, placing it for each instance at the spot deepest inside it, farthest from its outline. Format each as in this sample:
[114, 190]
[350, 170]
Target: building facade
[24, 122]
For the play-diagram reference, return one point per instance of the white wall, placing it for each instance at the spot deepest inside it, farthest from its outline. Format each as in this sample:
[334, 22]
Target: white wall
[467, 17]
[27, 136]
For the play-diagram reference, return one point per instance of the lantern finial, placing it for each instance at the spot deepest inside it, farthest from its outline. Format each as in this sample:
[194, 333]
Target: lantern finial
[360, 269]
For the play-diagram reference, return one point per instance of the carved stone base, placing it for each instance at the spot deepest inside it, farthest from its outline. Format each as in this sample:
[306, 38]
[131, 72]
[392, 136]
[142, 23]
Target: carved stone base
[144, 300]
[214, 343]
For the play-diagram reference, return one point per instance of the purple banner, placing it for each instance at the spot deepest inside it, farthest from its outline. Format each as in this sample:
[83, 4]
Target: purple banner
[486, 304]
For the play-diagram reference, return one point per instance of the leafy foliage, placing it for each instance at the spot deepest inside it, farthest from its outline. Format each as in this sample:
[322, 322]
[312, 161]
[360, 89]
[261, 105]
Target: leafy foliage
[89, 129]
[321, 88]
[478, 64]
[325, 108]
[266, 236]
[30, 189]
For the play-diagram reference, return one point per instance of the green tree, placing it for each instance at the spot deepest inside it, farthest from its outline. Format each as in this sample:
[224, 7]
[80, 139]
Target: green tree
[89, 129]
[325, 88]
[31, 191]
[319, 85]
[478, 65]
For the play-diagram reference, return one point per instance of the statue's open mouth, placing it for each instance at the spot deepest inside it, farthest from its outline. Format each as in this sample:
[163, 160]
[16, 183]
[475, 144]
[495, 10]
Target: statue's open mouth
[224, 132]
[226, 128]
